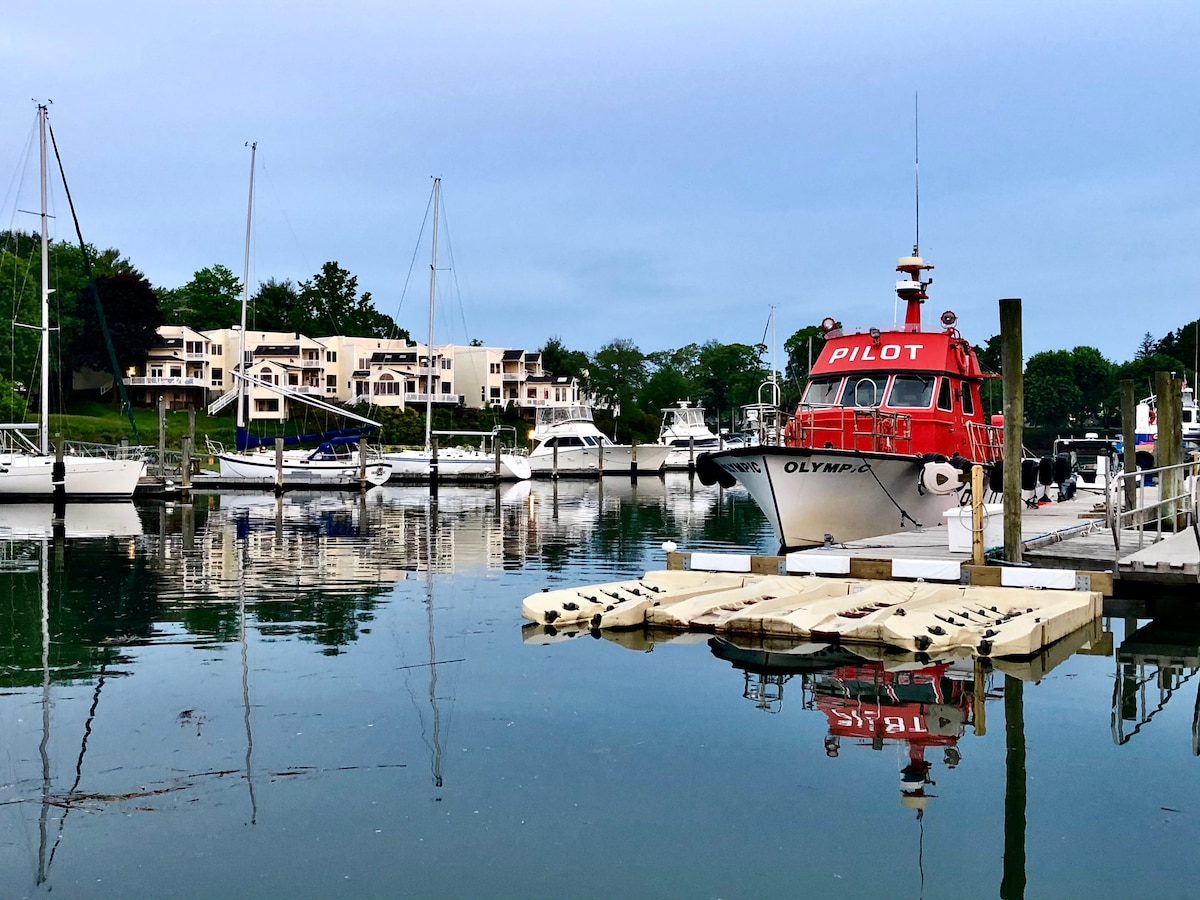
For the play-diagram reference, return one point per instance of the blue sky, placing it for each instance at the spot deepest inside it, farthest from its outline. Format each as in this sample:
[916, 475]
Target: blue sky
[659, 171]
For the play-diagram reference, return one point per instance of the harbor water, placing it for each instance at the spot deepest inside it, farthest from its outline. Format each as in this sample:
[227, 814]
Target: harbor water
[335, 696]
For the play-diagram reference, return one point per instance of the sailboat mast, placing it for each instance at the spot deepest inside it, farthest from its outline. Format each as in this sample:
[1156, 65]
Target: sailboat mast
[241, 402]
[437, 202]
[44, 399]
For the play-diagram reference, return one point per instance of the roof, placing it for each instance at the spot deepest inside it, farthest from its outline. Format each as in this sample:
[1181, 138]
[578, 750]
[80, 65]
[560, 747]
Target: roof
[277, 350]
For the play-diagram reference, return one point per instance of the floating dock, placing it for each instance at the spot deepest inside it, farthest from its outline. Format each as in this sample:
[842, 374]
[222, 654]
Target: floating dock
[917, 616]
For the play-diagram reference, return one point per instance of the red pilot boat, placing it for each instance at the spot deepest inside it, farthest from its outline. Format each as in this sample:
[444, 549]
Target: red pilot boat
[888, 420]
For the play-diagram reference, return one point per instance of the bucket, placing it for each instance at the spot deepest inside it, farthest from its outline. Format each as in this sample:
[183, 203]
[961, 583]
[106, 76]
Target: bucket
[958, 527]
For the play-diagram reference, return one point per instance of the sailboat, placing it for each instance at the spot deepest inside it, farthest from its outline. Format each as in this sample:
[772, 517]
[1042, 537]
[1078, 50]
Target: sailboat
[28, 470]
[335, 461]
[459, 463]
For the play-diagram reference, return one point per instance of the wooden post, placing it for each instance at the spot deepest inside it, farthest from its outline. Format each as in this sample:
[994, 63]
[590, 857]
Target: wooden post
[185, 469]
[362, 464]
[162, 436]
[600, 459]
[691, 455]
[633, 463]
[979, 698]
[1013, 880]
[433, 466]
[1129, 440]
[496, 452]
[278, 467]
[1012, 375]
[1168, 444]
[978, 551]
[554, 466]
[58, 478]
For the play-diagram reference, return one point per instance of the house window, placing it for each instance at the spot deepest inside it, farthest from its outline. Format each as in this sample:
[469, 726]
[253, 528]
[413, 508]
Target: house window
[176, 371]
[531, 393]
[494, 368]
[494, 393]
[331, 381]
[216, 349]
[293, 378]
[445, 363]
[270, 405]
[218, 377]
[156, 371]
[410, 387]
[445, 387]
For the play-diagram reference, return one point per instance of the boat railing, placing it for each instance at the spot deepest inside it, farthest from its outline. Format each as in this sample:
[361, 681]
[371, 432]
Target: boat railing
[1165, 502]
[986, 441]
[865, 429]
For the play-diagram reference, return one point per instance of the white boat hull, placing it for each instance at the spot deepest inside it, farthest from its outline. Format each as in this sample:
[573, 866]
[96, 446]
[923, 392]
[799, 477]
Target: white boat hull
[458, 465]
[807, 494]
[618, 460]
[28, 476]
[301, 469]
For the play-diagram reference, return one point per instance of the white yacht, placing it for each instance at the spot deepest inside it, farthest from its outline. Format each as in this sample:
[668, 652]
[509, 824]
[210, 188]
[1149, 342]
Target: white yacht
[684, 431]
[27, 465]
[569, 443]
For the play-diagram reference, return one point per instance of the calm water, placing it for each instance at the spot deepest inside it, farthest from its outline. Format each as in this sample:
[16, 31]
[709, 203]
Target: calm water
[336, 697]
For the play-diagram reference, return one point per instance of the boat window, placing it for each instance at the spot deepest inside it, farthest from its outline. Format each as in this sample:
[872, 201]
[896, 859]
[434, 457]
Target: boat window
[822, 392]
[912, 392]
[590, 441]
[864, 391]
[943, 394]
[968, 398]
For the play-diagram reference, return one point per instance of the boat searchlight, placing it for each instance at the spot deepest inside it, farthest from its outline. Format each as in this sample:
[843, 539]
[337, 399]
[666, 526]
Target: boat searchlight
[875, 335]
[949, 318]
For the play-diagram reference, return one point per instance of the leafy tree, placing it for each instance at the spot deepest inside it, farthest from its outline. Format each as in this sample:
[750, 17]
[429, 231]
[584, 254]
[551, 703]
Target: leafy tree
[275, 306]
[729, 375]
[558, 360]
[1141, 371]
[1181, 344]
[618, 371]
[1094, 376]
[333, 306]
[132, 316]
[1052, 397]
[989, 354]
[211, 299]
[672, 378]
[1147, 347]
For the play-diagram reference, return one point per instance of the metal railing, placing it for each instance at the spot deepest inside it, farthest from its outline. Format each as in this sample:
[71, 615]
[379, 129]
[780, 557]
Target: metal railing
[1165, 500]
[865, 429]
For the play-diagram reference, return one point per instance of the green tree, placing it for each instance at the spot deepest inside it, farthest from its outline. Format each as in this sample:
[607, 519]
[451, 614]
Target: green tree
[1052, 397]
[618, 371]
[672, 378]
[1095, 377]
[132, 316]
[803, 347]
[558, 360]
[333, 306]
[275, 306]
[211, 299]
[729, 376]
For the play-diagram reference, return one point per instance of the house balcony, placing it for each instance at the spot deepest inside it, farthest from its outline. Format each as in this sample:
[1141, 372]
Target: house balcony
[164, 381]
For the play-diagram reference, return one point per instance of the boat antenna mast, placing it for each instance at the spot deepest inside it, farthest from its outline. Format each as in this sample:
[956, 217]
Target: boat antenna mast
[910, 287]
[242, 386]
[429, 372]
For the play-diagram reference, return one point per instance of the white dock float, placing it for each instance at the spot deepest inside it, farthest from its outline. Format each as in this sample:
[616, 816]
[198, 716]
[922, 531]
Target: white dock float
[915, 616]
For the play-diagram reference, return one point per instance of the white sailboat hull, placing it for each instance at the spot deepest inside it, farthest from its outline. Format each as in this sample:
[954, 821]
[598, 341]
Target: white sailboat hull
[807, 494]
[618, 459]
[300, 469]
[29, 476]
[458, 464]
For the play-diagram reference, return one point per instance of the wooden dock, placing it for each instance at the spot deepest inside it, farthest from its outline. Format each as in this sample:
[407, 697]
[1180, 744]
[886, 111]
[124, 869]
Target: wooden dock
[1070, 535]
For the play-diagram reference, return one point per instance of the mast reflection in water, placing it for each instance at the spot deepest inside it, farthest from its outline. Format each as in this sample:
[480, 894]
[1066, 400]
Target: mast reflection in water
[333, 696]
